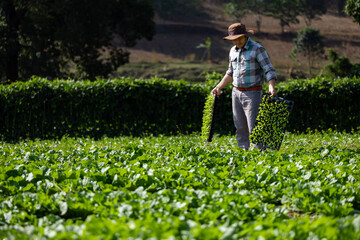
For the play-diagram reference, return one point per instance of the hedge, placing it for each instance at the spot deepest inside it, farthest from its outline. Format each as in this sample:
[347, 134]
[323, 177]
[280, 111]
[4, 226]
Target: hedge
[40, 108]
[51, 109]
[323, 103]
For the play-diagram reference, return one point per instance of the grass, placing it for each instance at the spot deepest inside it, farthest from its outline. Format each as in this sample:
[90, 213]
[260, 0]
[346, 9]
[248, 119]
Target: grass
[195, 71]
[189, 70]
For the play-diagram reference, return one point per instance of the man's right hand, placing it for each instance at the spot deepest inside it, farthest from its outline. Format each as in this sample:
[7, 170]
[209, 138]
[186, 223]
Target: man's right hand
[216, 91]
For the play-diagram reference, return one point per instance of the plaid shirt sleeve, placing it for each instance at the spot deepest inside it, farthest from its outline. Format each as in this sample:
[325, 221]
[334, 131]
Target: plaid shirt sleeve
[230, 69]
[264, 61]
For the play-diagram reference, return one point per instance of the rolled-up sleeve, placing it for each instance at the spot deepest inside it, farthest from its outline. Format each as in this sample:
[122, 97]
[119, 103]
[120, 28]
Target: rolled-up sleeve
[263, 59]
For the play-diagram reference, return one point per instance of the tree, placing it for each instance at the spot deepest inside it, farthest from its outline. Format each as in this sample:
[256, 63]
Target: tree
[285, 11]
[207, 46]
[340, 6]
[352, 9]
[340, 66]
[310, 9]
[52, 38]
[310, 43]
[240, 8]
[236, 10]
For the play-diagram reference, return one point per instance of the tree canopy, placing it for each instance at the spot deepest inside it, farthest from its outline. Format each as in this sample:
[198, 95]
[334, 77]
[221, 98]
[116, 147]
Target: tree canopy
[286, 11]
[310, 43]
[310, 9]
[352, 8]
[66, 38]
[240, 9]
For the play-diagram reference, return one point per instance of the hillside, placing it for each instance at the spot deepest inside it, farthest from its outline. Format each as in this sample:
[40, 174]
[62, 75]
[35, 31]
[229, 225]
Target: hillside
[173, 52]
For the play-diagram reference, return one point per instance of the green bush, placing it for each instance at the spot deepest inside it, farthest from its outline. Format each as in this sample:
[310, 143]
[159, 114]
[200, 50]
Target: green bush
[47, 109]
[340, 66]
[323, 103]
[51, 109]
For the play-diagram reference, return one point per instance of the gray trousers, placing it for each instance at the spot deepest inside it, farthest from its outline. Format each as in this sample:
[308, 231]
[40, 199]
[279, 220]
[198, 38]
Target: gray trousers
[245, 107]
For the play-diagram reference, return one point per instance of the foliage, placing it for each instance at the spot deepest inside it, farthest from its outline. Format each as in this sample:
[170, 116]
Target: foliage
[240, 9]
[352, 9]
[212, 79]
[237, 9]
[284, 10]
[332, 55]
[340, 66]
[174, 8]
[180, 188]
[310, 9]
[207, 120]
[40, 108]
[271, 122]
[310, 43]
[50, 109]
[82, 43]
[207, 46]
[323, 103]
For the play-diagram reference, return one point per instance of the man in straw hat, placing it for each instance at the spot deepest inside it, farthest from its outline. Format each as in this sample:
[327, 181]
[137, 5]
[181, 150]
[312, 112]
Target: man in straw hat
[248, 64]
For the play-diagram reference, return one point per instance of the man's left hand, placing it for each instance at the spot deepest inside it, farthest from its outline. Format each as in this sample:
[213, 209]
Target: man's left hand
[272, 91]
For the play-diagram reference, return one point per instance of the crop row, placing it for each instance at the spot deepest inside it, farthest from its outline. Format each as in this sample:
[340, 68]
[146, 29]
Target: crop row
[180, 188]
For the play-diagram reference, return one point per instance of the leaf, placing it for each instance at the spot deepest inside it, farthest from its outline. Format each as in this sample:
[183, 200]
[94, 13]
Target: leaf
[356, 223]
[104, 169]
[307, 176]
[29, 177]
[8, 216]
[63, 207]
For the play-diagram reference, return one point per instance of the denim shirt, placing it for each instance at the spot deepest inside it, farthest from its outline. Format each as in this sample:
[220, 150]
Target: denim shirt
[248, 65]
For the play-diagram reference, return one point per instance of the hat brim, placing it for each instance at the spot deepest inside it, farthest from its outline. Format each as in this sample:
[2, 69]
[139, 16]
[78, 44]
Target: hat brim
[233, 37]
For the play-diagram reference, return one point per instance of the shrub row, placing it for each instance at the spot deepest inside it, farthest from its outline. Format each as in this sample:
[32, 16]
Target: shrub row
[323, 103]
[51, 109]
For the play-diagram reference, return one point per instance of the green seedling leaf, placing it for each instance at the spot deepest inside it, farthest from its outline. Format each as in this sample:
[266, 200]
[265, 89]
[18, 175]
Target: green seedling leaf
[207, 129]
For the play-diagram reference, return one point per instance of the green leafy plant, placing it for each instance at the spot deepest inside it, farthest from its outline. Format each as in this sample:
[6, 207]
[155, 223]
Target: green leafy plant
[271, 122]
[207, 46]
[352, 9]
[176, 187]
[208, 118]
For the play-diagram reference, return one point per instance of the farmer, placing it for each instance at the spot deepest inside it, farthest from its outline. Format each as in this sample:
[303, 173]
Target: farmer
[248, 63]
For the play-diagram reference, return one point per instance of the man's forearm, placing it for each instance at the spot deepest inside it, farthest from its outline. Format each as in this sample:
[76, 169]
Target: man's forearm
[224, 82]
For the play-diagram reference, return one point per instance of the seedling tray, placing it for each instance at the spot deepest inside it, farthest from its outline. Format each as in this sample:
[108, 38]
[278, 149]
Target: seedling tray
[207, 129]
[271, 122]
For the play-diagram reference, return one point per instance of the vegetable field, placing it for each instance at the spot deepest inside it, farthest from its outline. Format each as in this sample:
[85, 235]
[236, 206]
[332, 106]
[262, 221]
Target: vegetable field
[181, 188]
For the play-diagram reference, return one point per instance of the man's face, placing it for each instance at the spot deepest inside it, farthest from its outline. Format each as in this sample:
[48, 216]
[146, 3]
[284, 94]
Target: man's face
[240, 42]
